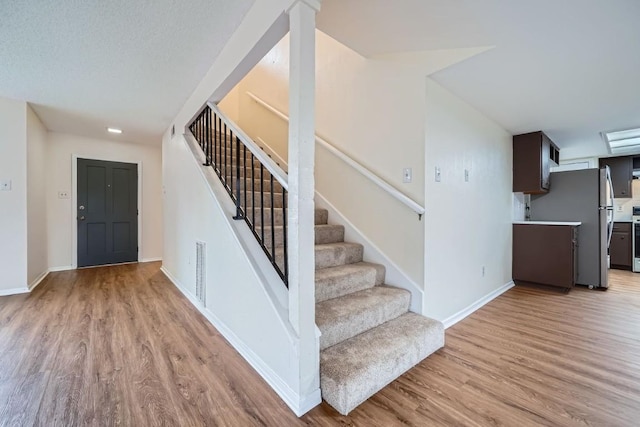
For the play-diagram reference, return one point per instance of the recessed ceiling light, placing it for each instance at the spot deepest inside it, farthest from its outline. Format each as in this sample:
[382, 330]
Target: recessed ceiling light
[114, 130]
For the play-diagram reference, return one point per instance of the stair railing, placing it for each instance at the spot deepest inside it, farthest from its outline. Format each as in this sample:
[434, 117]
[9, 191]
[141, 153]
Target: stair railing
[240, 163]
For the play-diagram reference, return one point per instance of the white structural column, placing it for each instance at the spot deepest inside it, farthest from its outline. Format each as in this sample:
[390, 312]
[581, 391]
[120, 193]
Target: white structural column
[302, 21]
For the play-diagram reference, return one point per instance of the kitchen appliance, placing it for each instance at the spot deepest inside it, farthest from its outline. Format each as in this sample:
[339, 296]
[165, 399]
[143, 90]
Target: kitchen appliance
[587, 196]
[635, 239]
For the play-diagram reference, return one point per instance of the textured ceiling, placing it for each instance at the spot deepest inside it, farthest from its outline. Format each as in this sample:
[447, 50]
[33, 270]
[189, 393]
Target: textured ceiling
[88, 64]
[568, 67]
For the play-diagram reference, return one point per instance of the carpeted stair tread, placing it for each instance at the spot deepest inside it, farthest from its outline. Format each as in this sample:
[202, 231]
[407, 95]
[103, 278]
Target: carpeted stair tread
[342, 318]
[356, 369]
[334, 282]
[333, 254]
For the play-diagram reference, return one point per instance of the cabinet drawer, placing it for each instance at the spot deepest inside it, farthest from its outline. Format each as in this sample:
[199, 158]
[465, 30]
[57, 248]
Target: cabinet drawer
[622, 227]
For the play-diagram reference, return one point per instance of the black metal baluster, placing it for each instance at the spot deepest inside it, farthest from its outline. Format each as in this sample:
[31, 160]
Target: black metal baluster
[216, 165]
[261, 205]
[238, 208]
[253, 193]
[244, 177]
[284, 230]
[225, 156]
[209, 135]
[231, 165]
[207, 144]
[200, 129]
[273, 224]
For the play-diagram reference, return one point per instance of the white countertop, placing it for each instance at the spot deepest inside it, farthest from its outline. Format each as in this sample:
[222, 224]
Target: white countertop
[573, 223]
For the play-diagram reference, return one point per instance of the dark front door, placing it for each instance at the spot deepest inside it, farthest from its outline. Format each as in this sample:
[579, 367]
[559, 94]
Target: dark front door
[107, 212]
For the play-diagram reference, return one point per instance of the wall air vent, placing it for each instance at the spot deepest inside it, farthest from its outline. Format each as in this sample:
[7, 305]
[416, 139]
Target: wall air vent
[201, 258]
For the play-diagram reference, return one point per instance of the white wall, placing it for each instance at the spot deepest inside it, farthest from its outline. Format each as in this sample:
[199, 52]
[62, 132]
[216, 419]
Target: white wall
[13, 204]
[468, 224]
[61, 148]
[37, 241]
[373, 110]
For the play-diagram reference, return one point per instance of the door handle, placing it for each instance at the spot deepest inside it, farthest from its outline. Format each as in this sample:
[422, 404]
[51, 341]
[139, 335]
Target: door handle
[81, 218]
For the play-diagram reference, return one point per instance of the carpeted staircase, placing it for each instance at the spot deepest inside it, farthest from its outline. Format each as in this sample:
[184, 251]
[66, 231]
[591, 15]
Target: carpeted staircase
[369, 337]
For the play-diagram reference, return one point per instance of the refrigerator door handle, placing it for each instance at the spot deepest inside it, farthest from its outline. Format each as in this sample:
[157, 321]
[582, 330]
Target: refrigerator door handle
[610, 183]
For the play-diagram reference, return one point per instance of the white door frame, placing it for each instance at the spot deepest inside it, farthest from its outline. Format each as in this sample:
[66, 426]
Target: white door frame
[74, 199]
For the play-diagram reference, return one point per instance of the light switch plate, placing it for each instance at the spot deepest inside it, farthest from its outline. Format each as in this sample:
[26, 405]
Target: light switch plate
[407, 175]
[438, 174]
[5, 185]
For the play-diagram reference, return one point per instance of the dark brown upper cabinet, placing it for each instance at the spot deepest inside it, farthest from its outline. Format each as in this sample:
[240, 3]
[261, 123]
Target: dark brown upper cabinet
[621, 175]
[533, 155]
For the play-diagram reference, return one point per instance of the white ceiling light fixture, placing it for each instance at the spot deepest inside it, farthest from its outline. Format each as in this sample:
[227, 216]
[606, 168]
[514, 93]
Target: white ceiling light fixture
[622, 141]
[114, 130]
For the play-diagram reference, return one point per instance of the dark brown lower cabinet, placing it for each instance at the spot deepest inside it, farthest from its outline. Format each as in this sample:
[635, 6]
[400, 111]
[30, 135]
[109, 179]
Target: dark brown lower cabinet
[620, 246]
[545, 255]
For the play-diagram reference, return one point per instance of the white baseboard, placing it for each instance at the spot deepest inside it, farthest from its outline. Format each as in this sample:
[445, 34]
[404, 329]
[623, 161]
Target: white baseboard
[452, 320]
[13, 291]
[150, 259]
[61, 268]
[36, 282]
[298, 404]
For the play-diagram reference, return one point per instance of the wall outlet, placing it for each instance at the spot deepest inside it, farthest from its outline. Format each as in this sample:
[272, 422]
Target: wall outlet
[407, 175]
[619, 208]
[438, 174]
[5, 185]
[63, 195]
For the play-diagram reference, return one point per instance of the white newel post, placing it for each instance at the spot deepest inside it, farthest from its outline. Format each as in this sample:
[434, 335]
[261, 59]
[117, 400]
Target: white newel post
[302, 22]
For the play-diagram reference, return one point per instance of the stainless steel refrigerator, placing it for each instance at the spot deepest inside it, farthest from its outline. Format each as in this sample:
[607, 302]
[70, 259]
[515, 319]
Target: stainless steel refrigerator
[584, 195]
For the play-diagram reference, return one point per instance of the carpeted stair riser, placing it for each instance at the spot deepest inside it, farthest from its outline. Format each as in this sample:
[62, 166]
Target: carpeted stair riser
[342, 318]
[333, 254]
[334, 282]
[266, 189]
[320, 217]
[330, 254]
[355, 369]
[324, 233]
[277, 200]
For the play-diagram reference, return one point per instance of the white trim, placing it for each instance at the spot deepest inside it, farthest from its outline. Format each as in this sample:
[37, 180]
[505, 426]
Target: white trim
[38, 280]
[150, 259]
[62, 268]
[13, 291]
[290, 397]
[452, 320]
[394, 192]
[74, 199]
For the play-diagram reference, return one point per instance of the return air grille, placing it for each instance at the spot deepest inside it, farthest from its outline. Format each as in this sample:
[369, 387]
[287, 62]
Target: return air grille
[201, 256]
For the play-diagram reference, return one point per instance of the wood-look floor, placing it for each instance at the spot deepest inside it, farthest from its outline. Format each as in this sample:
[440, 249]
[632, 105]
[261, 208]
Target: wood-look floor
[121, 346]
